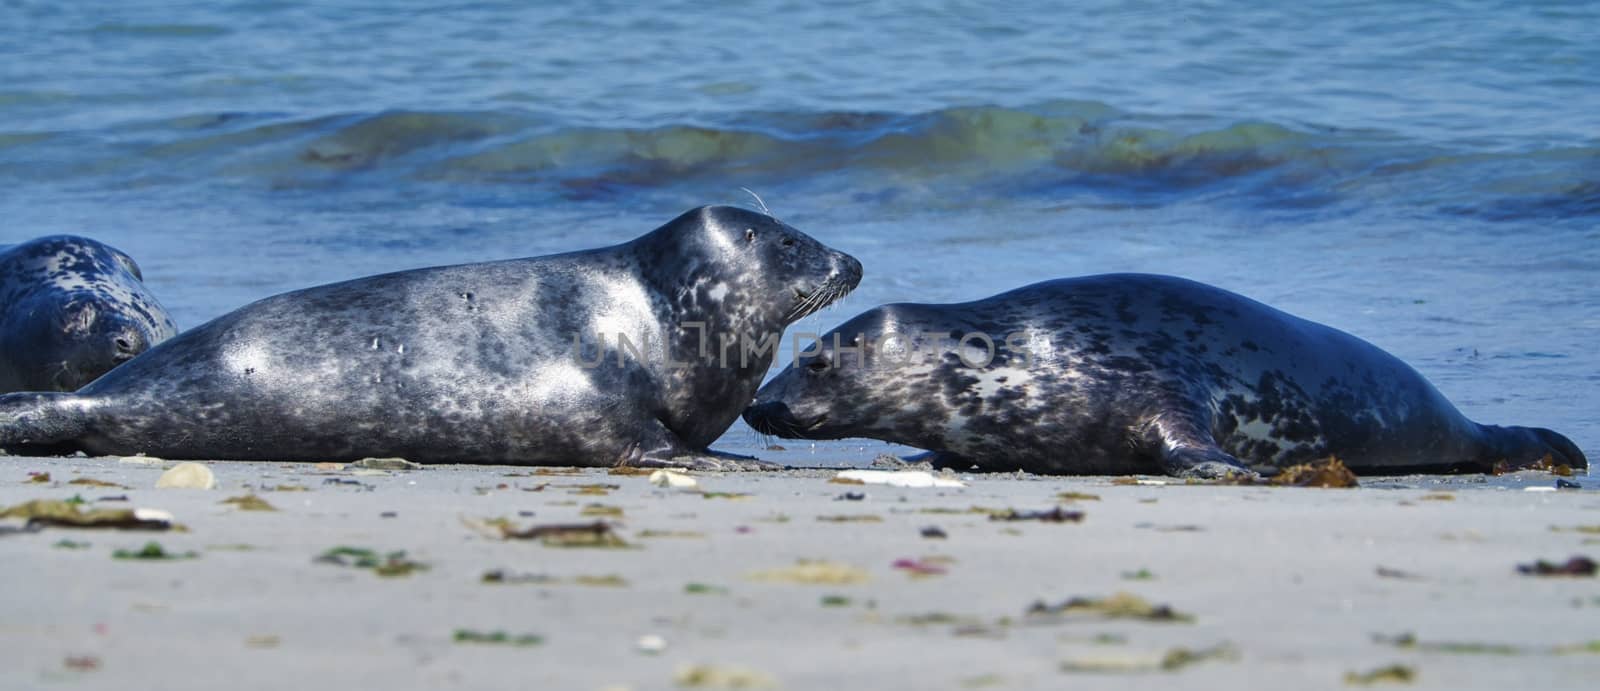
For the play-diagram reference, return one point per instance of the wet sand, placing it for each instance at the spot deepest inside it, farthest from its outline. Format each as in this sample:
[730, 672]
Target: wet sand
[1268, 587]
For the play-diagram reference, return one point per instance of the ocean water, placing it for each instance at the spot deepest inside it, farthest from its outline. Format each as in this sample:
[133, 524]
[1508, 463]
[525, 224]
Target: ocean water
[1424, 175]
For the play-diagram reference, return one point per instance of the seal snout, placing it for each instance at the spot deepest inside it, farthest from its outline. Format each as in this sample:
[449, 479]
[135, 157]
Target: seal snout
[775, 418]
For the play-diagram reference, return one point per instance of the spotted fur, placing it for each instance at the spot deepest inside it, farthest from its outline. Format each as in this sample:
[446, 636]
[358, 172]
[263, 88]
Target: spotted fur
[472, 363]
[1131, 373]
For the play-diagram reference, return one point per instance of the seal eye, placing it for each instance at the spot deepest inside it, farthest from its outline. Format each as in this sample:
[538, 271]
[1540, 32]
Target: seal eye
[749, 235]
[817, 365]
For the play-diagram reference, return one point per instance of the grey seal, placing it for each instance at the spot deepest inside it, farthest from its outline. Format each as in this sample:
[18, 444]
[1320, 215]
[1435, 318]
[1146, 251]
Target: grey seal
[72, 308]
[591, 358]
[1129, 373]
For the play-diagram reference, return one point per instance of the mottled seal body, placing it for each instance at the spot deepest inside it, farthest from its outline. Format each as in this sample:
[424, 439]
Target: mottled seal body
[72, 308]
[513, 362]
[1129, 373]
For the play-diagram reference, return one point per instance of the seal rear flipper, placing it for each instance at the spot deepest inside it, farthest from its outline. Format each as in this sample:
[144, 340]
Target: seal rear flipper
[1187, 449]
[42, 423]
[1521, 447]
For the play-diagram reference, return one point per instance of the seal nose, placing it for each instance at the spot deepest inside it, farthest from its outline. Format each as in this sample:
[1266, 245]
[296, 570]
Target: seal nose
[849, 269]
[768, 418]
[127, 343]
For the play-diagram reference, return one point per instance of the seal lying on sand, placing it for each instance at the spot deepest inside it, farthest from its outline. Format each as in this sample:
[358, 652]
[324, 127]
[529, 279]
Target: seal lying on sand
[1128, 373]
[72, 308]
[590, 358]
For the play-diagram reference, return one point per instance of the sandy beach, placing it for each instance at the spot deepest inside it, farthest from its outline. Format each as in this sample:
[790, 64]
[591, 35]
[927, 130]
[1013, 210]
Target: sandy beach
[788, 580]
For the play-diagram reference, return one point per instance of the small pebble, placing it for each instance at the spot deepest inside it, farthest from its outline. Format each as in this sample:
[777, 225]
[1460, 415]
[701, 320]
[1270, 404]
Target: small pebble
[187, 476]
[651, 644]
[673, 479]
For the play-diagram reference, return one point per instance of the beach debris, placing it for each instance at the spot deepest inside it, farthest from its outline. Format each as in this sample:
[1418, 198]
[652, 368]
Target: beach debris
[91, 482]
[1118, 606]
[650, 644]
[851, 518]
[1409, 641]
[597, 534]
[1567, 484]
[672, 479]
[924, 567]
[152, 551]
[65, 514]
[504, 577]
[1391, 674]
[1328, 472]
[38, 477]
[626, 470]
[65, 543]
[704, 589]
[249, 502]
[81, 663]
[1170, 527]
[1172, 660]
[726, 495]
[1055, 515]
[704, 676]
[1140, 575]
[914, 479]
[851, 496]
[387, 565]
[1549, 465]
[934, 532]
[522, 640]
[387, 464]
[813, 572]
[591, 489]
[349, 482]
[262, 640]
[835, 601]
[1077, 496]
[287, 488]
[188, 475]
[1538, 489]
[1437, 496]
[113, 497]
[1386, 572]
[646, 534]
[600, 511]
[1583, 529]
[1577, 566]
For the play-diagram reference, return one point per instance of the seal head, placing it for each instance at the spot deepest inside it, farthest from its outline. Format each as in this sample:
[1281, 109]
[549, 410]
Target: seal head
[71, 309]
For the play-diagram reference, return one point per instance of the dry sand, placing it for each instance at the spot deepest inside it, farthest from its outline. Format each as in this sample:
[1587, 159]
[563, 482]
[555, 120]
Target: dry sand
[1283, 585]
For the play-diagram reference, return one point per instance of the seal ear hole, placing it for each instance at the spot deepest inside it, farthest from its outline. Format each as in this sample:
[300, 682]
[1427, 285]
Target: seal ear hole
[788, 242]
[817, 365]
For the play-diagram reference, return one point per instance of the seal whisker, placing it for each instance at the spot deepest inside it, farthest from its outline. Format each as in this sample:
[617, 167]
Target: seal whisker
[763, 204]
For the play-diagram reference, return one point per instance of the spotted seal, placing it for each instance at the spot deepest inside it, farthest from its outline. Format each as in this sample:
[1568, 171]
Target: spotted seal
[592, 358]
[1128, 373]
[72, 308]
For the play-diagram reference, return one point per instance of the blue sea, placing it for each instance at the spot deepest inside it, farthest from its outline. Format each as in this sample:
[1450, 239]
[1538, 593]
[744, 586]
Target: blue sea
[1424, 175]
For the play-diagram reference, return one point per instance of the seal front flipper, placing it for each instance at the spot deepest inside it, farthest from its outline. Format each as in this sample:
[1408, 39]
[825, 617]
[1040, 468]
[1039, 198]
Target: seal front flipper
[42, 423]
[664, 450]
[1187, 448]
